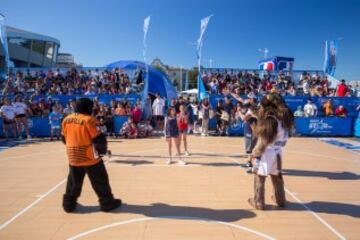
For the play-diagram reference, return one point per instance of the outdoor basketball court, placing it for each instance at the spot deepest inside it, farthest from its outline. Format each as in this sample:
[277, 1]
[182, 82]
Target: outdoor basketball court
[207, 199]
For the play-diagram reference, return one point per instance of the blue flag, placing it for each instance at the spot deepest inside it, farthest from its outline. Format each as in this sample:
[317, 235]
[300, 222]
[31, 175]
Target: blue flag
[4, 44]
[202, 90]
[331, 51]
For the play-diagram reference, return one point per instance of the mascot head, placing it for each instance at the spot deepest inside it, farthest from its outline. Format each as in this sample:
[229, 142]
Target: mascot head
[84, 106]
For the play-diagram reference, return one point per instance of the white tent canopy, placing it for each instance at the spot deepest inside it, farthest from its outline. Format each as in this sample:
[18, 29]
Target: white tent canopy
[190, 91]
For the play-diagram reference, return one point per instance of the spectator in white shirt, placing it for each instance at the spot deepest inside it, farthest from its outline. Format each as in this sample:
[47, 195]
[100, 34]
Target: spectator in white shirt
[158, 111]
[7, 112]
[21, 115]
[306, 86]
[310, 109]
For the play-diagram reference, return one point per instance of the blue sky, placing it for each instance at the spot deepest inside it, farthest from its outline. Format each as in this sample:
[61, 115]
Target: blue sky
[100, 32]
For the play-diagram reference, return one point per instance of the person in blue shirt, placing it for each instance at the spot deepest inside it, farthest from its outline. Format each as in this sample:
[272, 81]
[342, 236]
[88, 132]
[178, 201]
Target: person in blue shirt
[55, 123]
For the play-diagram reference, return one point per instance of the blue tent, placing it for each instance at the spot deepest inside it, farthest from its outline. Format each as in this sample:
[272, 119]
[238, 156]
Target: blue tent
[158, 81]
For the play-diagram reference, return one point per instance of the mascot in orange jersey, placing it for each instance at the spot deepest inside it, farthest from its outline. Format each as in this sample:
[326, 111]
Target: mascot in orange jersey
[85, 145]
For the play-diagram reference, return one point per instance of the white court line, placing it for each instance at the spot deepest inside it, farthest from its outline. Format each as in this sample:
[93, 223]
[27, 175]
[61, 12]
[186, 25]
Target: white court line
[332, 229]
[240, 227]
[315, 215]
[24, 210]
[2, 226]
[31, 154]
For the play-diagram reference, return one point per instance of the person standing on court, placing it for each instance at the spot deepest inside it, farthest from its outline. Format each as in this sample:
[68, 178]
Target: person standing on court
[85, 144]
[158, 111]
[171, 131]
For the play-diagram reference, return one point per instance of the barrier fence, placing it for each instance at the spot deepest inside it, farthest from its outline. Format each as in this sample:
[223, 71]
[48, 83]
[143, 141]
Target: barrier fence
[350, 103]
[357, 127]
[317, 126]
[40, 127]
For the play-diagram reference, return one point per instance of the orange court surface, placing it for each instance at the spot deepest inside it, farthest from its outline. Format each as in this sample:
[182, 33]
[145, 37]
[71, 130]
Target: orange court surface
[206, 199]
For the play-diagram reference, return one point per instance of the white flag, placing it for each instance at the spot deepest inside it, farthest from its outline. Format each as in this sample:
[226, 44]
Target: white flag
[146, 27]
[203, 26]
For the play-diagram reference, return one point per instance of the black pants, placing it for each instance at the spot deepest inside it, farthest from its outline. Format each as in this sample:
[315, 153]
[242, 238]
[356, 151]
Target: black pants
[99, 181]
[250, 143]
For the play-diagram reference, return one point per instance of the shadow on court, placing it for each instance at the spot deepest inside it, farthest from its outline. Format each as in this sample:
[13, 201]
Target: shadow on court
[133, 162]
[6, 144]
[329, 175]
[165, 210]
[225, 215]
[189, 163]
[351, 210]
[193, 155]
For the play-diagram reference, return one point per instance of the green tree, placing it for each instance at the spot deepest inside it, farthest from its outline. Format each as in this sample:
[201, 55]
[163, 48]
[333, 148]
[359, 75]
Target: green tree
[193, 75]
[160, 69]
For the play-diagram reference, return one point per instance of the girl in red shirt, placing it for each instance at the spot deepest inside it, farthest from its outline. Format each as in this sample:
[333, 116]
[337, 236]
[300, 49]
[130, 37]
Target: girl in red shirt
[183, 119]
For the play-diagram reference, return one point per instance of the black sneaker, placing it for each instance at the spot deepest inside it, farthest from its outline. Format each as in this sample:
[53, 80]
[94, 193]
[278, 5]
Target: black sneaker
[115, 203]
[109, 154]
[248, 164]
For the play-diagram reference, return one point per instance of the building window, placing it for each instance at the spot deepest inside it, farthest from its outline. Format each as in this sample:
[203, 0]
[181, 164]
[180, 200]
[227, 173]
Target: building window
[38, 46]
[49, 50]
[56, 48]
[21, 42]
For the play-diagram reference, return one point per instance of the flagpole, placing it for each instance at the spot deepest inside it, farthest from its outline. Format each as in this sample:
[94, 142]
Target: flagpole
[146, 82]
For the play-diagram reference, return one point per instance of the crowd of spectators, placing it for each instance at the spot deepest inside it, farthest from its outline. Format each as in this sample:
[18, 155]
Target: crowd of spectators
[244, 83]
[149, 116]
[103, 112]
[73, 82]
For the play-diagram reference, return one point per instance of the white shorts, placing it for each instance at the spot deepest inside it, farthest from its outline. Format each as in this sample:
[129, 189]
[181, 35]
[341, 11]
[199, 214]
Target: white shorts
[268, 162]
[55, 127]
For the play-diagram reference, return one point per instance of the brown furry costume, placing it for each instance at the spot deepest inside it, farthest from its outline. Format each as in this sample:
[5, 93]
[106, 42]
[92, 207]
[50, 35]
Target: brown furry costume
[272, 111]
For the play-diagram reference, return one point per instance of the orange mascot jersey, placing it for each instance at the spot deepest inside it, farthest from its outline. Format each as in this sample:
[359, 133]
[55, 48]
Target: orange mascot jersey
[79, 131]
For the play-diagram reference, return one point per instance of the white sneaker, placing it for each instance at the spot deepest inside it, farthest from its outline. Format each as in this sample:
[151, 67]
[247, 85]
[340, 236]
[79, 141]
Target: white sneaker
[168, 162]
[203, 134]
[182, 162]
[187, 153]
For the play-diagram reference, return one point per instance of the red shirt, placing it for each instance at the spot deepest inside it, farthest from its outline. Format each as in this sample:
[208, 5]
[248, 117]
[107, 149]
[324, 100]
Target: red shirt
[182, 121]
[342, 90]
[136, 115]
[341, 113]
